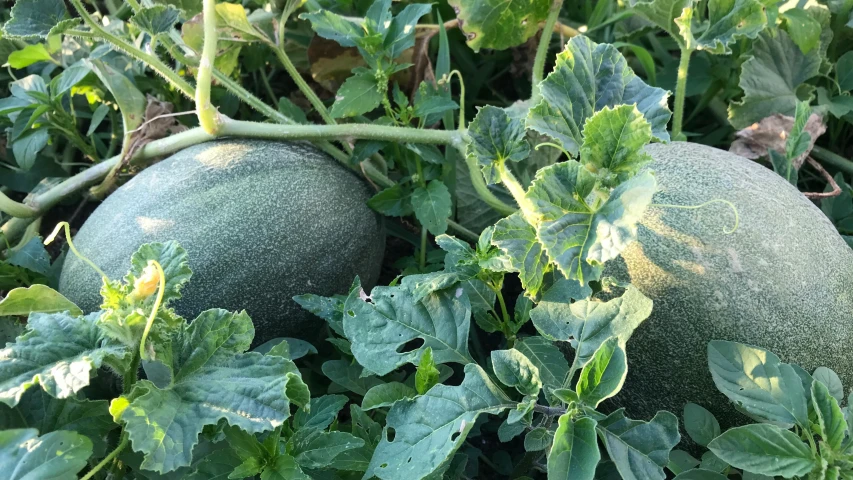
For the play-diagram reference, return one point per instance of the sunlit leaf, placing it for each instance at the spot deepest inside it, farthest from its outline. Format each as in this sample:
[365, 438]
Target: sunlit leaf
[499, 24]
[58, 455]
[764, 449]
[574, 454]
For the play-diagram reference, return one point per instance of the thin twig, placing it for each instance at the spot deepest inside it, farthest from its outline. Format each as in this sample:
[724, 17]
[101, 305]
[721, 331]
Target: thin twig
[836, 190]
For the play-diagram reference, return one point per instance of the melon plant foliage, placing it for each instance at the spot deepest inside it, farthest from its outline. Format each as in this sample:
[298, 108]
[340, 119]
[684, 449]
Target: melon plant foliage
[546, 190]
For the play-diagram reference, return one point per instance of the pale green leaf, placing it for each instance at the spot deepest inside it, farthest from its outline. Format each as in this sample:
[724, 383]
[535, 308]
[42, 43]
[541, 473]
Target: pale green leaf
[430, 428]
[758, 382]
[401, 32]
[359, 94]
[29, 55]
[538, 439]
[318, 449]
[36, 299]
[517, 238]
[164, 424]
[574, 453]
[58, 352]
[770, 79]
[513, 369]
[432, 206]
[833, 383]
[613, 141]
[803, 29]
[130, 100]
[55, 456]
[332, 26]
[603, 376]
[499, 24]
[386, 395]
[156, 19]
[829, 415]
[548, 359]
[426, 375]
[764, 449]
[639, 449]
[700, 424]
[34, 18]
[663, 14]
[495, 137]
[727, 21]
[587, 78]
[323, 411]
[392, 318]
[233, 16]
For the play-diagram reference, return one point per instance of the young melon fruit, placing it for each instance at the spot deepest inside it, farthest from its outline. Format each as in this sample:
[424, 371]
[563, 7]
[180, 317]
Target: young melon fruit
[781, 281]
[261, 222]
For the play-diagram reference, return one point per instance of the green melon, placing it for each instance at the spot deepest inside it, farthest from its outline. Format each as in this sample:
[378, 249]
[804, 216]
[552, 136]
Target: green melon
[781, 281]
[261, 222]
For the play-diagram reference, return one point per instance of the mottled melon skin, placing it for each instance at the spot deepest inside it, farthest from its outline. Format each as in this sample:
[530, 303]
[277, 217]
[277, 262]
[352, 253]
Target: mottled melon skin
[261, 222]
[781, 281]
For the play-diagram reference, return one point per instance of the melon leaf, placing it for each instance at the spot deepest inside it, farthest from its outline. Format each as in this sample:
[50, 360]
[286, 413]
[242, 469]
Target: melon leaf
[164, 424]
[613, 141]
[58, 352]
[764, 449]
[499, 24]
[574, 453]
[513, 369]
[639, 449]
[56, 455]
[663, 14]
[36, 299]
[756, 380]
[588, 77]
[34, 18]
[429, 429]
[517, 238]
[156, 19]
[389, 318]
[496, 137]
[726, 22]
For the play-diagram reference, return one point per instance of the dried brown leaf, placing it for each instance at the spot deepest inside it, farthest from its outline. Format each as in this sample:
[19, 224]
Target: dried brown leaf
[771, 133]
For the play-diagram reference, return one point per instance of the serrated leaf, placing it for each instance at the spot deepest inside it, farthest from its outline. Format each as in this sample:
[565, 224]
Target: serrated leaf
[34, 18]
[164, 424]
[727, 21]
[513, 369]
[578, 235]
[603, 376]
[130, 100]
[156, 19]
[496, 137]
[37, 299]
[386, 395]
[764, 449]
[574, 454]
[588, 77]
[392, 318]
[29, 55]
[318, 449]
[499, 24]
[829, 415]
[517, 238]
[700, 424]
[358, 95]
[757, 381]
[393, 201]
[430, 428]
[432, 206]
[322, 412]
[770, 79]
[613, 141]
[829, 378]
[548, 359]
[639, 449]
[426, 375]
[58, 352]
[57, 455]
[663, 14]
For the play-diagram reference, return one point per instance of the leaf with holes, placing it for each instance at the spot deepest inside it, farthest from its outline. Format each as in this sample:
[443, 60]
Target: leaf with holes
[421, 434]
[499, 24]
[588, 77]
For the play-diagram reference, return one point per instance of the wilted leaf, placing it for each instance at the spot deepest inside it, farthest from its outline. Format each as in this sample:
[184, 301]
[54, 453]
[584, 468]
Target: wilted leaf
[772, 133]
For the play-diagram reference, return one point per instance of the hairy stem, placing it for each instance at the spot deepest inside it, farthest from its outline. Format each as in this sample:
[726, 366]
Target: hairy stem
[208, 116]
[303, 85]
[549, 411]
[542, 50]
[347, 132]
[109, 458]
[517, 192]
[680, 91]
[483, 190]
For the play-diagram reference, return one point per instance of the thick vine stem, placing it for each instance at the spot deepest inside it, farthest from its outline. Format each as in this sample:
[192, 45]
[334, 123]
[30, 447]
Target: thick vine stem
[303, 86]
[832, 159]
[483, 190]
[109, 458]
[208, 115]
[17, 209]
[542, 50]
[680, 92]
[517, 191]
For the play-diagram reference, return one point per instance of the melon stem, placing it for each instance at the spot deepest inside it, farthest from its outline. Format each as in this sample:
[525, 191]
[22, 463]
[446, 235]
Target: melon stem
[208, 115]
[542, 51]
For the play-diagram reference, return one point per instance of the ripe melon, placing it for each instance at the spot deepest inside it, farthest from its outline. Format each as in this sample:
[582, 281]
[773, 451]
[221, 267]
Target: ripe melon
[261, 221]
[782, 281]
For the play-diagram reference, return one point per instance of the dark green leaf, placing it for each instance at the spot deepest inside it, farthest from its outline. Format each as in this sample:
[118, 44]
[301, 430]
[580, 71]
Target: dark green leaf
[764, 449]
[130, 100]
[401, 32]
[334, 27]
[318, 449]
[358, 95]
[495, 138]
[844, 71]
[803, 29]
[432, 206]
[783, 166]
[499, 24]
[56, 456]
[829, 415]
[350, 376]
[431, 101]
[69, 78]
[574, 453]
[323, 411]
[31, 256]
[700, 424]
[157, 19]
[393, 202]
[34, 18]
[513, 369]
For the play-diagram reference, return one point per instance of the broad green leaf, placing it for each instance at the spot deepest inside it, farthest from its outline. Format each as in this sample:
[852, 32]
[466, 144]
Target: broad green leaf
[613, 141]
[700, 424]
[233, 16]
[538, 439]
[27, 146]
[517, 238]
[350, 376]
[589, 323]
[757, 381]
[393, 201]
[700, 474]
[639, 449]
[332, 26]
[58, 352]
[37, 299]
[513, 369]
[29, 55]
[764, 449]
[803, 29]
[284, 468]
[358, 95]
[130, 100]
[770, 79]
[727, 21]
[548, 359]
[830, 379]
[663, 13]
[386, 395]
[495, 137]
[156, 19]
[24, 455]
[681, 461]
[379, 328]
[603, 376]
[432, 205]
[164, 424]
[497, 24]
[829, 415]
[323, 411]
[34, 18]
[69, 78]
[574, 453]
[587, 78]
[426, 375]
[330, 309]
[579, 236]
[318, 449]
[401, 32]
[429, 429]
[844, 71]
